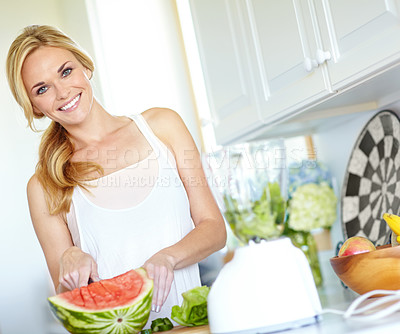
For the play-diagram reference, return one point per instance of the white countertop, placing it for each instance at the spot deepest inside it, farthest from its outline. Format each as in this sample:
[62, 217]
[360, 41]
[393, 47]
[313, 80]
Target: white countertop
[334, 296]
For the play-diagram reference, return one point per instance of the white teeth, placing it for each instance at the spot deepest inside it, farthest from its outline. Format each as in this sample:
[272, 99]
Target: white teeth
[71, 104]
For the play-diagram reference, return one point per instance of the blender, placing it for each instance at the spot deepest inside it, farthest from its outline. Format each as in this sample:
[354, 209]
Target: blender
[268, 285]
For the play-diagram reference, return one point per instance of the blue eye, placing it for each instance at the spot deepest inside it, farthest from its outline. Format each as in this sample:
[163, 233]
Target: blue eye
[66, 72]
[41, 90]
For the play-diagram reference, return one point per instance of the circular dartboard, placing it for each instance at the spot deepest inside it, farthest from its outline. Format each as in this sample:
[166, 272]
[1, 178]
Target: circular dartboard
[372, 180]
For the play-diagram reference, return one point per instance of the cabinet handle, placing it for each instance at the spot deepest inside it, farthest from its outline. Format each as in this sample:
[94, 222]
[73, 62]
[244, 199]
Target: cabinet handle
[322, 56]
[310, 64]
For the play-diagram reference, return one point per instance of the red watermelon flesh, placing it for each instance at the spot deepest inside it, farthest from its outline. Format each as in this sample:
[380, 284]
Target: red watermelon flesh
[76, 297]
[108, 293]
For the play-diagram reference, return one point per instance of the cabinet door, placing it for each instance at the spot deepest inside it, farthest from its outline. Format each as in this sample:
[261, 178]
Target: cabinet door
[227, 66]
[285, 35]
[363, 36]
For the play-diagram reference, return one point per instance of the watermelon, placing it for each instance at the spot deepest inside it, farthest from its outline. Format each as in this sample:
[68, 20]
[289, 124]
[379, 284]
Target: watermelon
[118, 305]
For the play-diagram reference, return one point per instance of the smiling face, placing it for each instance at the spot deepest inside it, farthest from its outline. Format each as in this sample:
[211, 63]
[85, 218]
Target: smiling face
[58, 85]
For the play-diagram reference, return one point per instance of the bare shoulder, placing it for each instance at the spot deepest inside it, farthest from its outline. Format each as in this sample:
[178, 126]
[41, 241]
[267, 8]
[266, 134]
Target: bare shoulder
[34, 187]
[168, 125]
[36, 197]
[163, 119]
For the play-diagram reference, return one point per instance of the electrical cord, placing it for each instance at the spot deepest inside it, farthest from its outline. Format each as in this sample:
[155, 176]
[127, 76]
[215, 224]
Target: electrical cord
[373, 310]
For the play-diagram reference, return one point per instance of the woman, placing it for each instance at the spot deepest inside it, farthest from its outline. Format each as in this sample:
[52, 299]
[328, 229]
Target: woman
[110, 193]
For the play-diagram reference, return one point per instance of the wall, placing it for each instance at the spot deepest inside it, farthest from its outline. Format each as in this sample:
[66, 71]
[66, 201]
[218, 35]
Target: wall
[141, 58]
[334, 144]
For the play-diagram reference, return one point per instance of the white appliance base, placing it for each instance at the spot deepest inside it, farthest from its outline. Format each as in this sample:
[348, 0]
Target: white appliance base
[277, 327]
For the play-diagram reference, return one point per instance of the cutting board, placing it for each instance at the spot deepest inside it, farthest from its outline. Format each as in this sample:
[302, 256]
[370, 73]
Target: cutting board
[205, 329]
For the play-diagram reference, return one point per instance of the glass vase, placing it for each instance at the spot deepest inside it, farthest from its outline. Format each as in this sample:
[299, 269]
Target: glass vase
[306, 242]
[252, 180]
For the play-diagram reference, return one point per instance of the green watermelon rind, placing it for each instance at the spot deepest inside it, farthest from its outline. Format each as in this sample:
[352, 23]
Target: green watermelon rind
[106, 321]
[80, 321]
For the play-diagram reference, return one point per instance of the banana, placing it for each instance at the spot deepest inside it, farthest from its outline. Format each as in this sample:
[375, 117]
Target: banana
[394, 223]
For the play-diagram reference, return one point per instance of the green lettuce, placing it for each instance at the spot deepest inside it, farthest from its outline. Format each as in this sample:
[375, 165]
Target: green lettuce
[262, 219]
[193, 311]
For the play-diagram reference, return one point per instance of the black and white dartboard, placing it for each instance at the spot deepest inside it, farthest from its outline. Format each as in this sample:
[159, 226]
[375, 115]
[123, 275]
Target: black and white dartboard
[372, 180]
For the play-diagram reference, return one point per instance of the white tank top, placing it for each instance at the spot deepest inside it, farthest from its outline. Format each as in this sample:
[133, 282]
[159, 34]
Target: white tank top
[133, 213]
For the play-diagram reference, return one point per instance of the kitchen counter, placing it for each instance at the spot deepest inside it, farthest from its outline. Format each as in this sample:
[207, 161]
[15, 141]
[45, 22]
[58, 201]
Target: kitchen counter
[332, 296]
[339, 298]
[329, 323]
[189, 330]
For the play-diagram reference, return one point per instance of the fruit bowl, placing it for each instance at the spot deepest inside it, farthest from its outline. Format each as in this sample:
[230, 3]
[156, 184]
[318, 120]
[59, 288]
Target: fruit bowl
[364, 272]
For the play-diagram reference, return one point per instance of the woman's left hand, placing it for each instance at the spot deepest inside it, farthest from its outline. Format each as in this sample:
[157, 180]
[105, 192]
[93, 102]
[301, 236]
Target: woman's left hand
[160, 269]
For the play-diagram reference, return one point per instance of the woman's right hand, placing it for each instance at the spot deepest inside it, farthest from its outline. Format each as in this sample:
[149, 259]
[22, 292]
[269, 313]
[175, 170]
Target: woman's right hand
[76, 267]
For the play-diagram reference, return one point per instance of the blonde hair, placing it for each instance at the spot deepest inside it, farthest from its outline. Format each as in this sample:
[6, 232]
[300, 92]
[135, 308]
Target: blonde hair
[56, 172]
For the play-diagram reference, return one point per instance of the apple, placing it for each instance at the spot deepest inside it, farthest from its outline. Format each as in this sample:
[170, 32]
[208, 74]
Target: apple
[356, 245]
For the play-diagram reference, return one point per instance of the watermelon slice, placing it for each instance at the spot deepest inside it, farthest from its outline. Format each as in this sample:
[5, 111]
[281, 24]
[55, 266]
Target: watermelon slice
[118, 305]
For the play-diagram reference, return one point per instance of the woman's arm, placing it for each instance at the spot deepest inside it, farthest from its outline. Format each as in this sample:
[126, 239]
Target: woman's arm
[209, 234]
[69, 267]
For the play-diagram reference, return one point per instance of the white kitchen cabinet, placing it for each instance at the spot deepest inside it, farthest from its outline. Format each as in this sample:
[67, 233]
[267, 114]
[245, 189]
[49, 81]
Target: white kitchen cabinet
[362, 36]
[228, 65]
[265, 61]
[286, 38]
